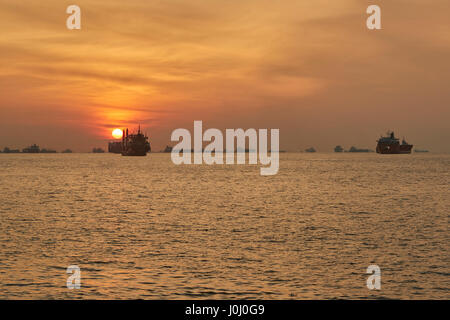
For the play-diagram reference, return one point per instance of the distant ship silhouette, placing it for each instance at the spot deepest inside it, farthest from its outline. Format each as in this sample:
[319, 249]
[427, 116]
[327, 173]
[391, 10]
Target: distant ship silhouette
[391, 145]
[132, 144]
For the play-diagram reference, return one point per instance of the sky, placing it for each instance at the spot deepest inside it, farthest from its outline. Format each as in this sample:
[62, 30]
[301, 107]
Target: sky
[309, 68]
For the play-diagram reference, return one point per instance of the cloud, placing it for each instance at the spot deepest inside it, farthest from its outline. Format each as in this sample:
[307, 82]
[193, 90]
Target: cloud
[309, 67]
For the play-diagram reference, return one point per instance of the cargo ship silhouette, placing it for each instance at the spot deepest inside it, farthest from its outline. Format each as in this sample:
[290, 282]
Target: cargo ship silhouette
[132, 144]
[391, 145]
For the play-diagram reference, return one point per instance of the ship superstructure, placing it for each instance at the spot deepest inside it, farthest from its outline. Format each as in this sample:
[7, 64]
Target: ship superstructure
[135, 144]
[32, 149]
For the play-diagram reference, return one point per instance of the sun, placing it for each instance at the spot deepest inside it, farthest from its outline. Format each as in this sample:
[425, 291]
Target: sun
[117, 133]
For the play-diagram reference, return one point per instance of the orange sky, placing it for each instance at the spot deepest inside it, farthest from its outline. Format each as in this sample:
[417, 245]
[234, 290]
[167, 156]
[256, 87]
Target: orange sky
[310, 68]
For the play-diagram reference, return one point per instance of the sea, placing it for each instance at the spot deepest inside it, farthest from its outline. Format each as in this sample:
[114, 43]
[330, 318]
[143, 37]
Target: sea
[145, 228]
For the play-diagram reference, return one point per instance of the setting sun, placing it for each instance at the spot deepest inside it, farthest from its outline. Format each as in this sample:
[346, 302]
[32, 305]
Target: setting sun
[117, 133]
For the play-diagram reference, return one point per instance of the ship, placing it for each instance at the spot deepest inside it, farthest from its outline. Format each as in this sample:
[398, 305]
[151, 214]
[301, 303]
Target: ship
[338, 149]
[168, 149]
[48, 151]
[8, 150]
[32, 149]
[135, 144]
[98, 150]
[355, 149]
[391, 145]
[115, 147]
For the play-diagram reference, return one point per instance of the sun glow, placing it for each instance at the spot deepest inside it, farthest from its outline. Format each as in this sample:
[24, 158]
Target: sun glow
[117, 133]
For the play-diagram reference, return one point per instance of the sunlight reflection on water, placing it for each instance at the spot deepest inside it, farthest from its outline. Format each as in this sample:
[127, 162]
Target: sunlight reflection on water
[145, 228]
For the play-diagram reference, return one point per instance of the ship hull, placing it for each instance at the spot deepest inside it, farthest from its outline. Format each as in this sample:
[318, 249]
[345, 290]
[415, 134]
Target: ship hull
[134, 154]
[394, 149]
